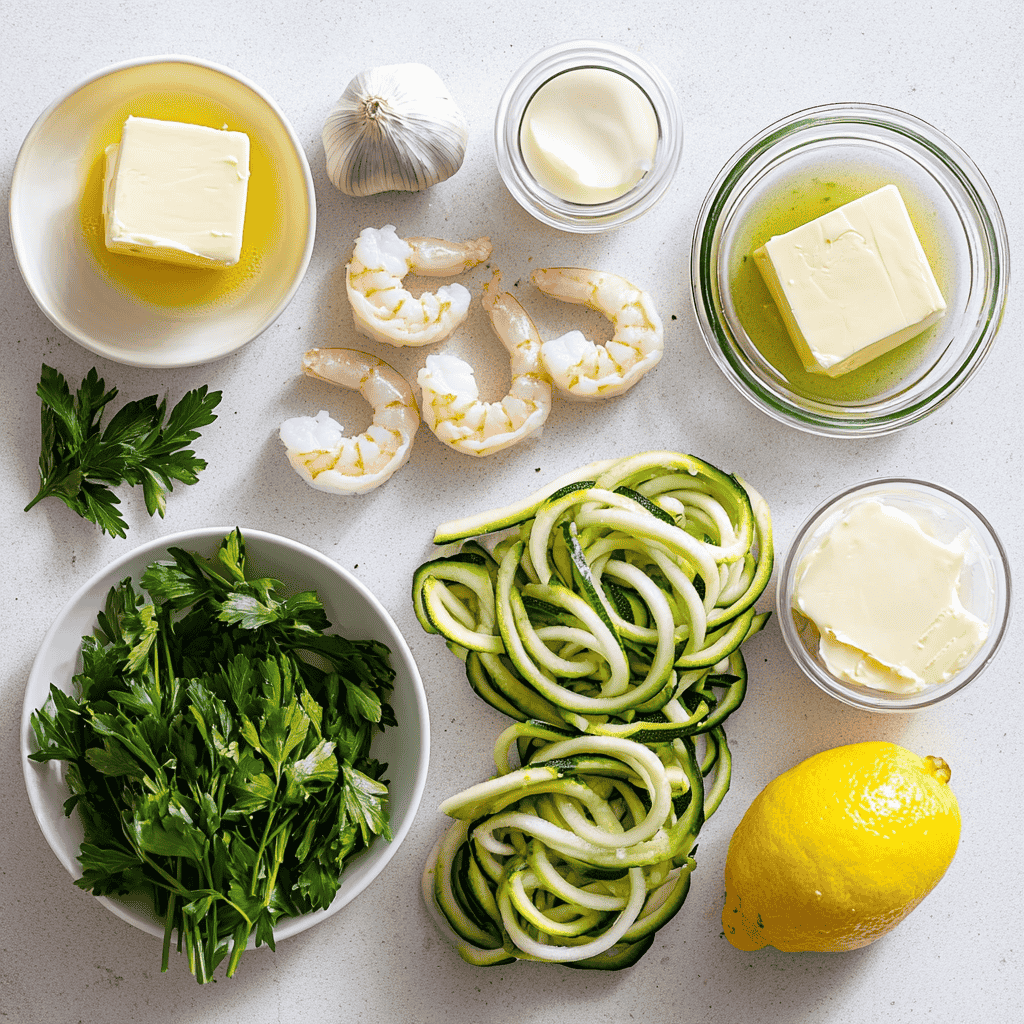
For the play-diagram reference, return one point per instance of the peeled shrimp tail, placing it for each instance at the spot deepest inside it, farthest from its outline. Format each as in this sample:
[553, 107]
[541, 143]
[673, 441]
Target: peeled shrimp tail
[575, 285]
[434, 257]
[316, 446]
[584, 369]
[515, 330]
[379, 383]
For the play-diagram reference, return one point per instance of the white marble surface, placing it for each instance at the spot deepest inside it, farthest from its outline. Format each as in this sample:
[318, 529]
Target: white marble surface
[737, 67]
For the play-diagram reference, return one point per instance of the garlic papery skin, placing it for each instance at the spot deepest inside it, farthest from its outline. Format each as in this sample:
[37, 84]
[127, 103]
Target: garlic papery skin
[394, 128]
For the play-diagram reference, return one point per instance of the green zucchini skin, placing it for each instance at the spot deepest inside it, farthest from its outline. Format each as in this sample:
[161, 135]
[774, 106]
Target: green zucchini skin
[604, 616]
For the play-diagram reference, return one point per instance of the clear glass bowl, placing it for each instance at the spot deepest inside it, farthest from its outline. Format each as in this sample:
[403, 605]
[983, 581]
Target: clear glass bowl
[544, 205]
[818, 155]
[984, 585]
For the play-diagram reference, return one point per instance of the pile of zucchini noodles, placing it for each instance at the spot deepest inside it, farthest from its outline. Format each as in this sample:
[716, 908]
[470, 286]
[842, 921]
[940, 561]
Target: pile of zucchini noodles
[605, 616]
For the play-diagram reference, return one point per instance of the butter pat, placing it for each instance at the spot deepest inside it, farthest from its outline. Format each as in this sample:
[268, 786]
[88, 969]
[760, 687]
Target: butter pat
[176, 193]
[884, 597]
[852, 284]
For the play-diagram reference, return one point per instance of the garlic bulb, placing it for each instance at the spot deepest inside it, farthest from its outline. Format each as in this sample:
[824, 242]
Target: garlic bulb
[394, 128]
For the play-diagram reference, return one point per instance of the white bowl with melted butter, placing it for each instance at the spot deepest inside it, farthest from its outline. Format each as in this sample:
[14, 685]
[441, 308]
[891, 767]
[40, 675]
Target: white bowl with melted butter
[894, 595]
[139, 311]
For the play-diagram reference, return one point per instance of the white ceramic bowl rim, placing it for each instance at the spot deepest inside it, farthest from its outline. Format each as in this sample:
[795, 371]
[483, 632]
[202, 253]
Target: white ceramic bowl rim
[37, 691]
[880, 701]
[38, 125]
[981, 205]
[166, 58]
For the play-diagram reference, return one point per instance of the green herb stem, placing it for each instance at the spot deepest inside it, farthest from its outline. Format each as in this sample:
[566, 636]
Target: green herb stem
[80, 461]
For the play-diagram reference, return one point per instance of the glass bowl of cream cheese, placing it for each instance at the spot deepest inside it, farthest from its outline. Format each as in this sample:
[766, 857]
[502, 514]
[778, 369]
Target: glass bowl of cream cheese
[894, 595]
[588, 136]
[813, 243]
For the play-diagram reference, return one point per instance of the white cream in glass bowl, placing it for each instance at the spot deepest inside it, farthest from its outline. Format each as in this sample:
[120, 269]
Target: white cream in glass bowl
[588, 136]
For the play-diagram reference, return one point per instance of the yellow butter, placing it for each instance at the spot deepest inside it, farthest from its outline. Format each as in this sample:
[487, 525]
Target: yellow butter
[176, 192]
[853, 283]
[884, 598]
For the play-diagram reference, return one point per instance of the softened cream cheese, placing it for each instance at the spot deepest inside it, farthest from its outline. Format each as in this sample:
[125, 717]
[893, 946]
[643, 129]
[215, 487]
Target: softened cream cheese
[884, 597]
[589, 135]
[852, 284]
[176, 192]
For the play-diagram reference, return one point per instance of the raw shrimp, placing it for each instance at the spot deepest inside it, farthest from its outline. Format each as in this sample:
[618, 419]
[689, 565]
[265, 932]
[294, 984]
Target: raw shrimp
[384, 310]
[451, 403]
[584, 369]
[317, 448]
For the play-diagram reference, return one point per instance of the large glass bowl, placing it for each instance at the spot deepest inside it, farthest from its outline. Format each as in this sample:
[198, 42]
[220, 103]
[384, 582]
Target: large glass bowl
[787, 175]
[984, 586]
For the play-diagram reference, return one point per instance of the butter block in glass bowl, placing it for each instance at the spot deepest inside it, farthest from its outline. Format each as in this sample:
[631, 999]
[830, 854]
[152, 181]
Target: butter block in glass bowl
[818, 160]
[176, 192]
[851, 591]
[852, 284]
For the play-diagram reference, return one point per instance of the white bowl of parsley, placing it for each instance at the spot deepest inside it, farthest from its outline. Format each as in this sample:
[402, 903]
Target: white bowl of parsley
[239, 732]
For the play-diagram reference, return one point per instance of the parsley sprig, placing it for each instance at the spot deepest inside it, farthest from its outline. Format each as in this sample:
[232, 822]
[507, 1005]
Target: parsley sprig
[217, 748]
[79, 462]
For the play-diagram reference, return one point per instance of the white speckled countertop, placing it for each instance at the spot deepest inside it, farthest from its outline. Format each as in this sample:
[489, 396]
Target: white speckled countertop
[737, 67]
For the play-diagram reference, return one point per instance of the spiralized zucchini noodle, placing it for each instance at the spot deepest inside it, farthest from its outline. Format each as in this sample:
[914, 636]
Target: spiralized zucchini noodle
[604, 615]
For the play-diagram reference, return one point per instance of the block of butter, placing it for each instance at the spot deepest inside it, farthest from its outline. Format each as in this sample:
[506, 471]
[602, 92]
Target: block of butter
[884, 596]
[176, 192]
[852, 284]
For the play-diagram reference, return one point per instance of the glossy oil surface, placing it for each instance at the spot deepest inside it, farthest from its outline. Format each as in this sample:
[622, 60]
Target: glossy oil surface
[188, 289]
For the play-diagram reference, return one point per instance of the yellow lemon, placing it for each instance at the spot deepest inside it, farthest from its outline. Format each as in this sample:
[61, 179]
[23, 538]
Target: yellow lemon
[835, 852]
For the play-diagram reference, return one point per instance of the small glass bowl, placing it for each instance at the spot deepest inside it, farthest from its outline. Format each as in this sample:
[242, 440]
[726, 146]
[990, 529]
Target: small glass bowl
[853, 149]
[984, 585]
[544, 205]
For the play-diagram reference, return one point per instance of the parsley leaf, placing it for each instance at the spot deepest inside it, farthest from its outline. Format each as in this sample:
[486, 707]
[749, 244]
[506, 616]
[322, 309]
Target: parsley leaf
[80, 462]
